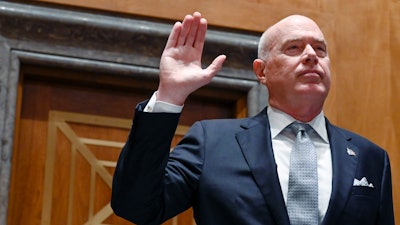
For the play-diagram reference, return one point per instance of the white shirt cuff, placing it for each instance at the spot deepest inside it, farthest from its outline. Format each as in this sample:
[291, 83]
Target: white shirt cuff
[159, 106]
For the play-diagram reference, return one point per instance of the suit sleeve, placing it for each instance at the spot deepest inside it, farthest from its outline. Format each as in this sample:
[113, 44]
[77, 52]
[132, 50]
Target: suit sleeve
[138, 177]
[150, 185]
[386, 214]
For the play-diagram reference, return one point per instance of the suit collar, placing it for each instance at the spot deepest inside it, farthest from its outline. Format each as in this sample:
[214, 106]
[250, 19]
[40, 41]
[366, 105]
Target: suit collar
[256, 145]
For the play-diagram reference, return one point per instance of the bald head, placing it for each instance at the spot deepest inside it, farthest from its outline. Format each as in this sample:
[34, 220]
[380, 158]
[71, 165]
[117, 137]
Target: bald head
[274, 32]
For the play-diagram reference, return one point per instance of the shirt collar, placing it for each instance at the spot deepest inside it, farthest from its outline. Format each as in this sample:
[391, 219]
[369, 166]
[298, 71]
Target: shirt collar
[278, 120]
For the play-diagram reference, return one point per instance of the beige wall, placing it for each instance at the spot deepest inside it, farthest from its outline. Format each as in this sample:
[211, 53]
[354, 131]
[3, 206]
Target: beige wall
[364, 41]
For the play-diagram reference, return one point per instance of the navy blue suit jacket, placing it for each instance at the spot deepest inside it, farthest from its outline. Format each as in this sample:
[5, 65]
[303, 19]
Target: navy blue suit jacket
[225, 170]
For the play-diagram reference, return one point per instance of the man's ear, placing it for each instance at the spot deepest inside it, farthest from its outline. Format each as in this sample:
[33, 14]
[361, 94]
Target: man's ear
[259, 70]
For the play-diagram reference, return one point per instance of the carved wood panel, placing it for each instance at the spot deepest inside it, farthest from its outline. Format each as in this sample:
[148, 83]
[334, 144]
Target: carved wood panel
[81, 156]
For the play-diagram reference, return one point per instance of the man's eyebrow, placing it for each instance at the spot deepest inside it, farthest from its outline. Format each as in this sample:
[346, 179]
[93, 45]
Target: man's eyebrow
[321, 41]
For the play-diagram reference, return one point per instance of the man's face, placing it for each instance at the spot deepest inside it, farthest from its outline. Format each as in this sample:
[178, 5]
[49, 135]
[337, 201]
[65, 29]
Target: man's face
[297, 66]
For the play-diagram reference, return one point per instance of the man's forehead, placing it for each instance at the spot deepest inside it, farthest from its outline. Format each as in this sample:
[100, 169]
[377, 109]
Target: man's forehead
[292, 28]
[297, 32]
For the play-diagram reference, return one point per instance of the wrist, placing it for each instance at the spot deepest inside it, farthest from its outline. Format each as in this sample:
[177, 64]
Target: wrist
[173, 99]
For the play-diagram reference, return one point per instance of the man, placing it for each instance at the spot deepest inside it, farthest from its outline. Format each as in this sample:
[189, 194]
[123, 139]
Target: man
[243, 175]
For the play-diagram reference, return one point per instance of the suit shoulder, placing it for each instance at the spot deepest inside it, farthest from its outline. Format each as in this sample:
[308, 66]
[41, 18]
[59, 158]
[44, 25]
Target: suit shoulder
[259, 119]
[223, 123]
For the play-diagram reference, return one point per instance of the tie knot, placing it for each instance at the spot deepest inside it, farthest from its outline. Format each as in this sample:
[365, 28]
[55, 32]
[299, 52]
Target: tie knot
[296, 127]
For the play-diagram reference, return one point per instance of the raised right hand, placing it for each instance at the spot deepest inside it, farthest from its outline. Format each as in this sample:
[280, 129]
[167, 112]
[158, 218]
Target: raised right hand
[180, 66]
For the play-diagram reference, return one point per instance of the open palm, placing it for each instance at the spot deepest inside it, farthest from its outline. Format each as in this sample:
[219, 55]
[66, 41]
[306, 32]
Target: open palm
[180, 67]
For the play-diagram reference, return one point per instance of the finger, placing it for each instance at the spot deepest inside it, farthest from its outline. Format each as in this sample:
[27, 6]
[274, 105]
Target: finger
[174, 35]
[186, 24]
[192, 34]
[201, 34]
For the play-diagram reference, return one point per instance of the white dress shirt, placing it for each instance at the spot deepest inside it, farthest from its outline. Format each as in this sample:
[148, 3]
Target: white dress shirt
[282, 146]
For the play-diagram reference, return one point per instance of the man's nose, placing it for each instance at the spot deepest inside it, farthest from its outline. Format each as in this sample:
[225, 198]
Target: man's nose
[309, 55]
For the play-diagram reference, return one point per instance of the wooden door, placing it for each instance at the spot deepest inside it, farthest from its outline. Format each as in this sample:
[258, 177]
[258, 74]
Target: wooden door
[68, 137]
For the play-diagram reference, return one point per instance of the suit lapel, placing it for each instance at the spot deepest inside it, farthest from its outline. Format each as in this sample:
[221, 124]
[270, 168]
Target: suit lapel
[256, 145]
[344, 164]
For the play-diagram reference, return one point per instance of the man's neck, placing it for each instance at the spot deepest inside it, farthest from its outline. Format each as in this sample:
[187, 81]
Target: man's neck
[301, 113]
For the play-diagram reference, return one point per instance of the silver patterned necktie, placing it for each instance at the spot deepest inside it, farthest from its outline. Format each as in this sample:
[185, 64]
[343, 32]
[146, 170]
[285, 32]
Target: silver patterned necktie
[302, 199]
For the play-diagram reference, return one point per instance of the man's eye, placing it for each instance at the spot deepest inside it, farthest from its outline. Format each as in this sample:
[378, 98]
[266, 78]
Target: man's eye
[293, 50]
[321, 51]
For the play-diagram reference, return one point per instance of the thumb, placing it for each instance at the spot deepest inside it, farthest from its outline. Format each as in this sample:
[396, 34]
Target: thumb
[216, 65]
